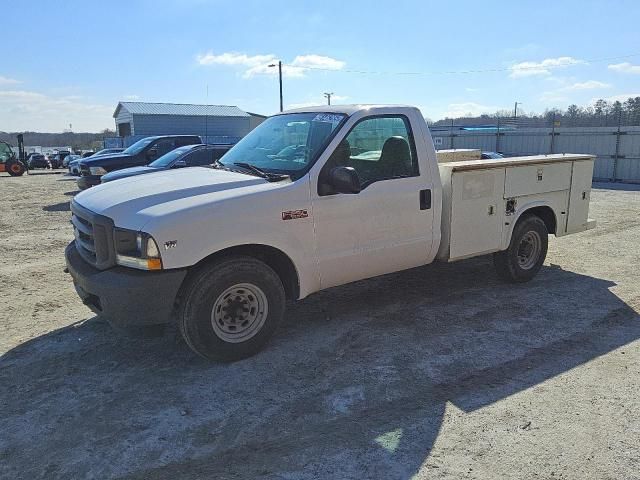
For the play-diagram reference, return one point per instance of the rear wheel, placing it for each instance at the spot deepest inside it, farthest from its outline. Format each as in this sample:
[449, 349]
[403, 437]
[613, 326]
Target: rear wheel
[15, 169]
[526, 253]
[229, 309]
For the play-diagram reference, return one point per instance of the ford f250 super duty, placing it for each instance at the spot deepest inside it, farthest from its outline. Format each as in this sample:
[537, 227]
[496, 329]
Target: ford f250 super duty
[310, 199]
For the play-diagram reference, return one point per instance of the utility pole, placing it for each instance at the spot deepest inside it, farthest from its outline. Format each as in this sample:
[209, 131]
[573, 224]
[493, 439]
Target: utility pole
[515, 110]
[328, 97]
[280, 78]
[206, 119]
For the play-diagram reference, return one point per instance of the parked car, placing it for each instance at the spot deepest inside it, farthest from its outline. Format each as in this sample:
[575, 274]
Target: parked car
[88, 154]
[69, 158]
[140, 153]
[187, 156]
[29, 155]
[491, 155]
[51, 161]
[37, 160]
[74, 166]
[57, 159]
[220, 250]
[107, 151]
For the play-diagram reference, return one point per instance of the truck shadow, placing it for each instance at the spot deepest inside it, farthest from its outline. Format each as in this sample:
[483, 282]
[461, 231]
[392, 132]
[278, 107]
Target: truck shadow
[354, 385]
[58, 207]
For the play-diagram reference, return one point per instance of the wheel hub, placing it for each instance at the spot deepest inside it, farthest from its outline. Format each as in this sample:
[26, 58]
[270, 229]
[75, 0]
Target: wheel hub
[239, 312]
[529, 250]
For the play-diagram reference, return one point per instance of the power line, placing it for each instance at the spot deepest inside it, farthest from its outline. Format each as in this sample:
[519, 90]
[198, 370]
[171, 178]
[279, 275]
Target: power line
[513, 68]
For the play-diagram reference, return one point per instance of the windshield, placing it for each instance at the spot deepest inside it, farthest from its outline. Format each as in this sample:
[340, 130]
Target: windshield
[168, 158]
[138, 146]
[284, 143]
[5, 152]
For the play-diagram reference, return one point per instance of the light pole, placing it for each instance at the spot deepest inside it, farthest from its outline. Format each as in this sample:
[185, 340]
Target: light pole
[280, 78]
[328, 97]
[515, 110]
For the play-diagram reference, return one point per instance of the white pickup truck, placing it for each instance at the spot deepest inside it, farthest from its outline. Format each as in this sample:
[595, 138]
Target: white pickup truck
[310, 199]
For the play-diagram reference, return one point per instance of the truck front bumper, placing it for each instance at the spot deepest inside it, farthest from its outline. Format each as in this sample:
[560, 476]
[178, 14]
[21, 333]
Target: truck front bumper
[87, 181]
[125, 296]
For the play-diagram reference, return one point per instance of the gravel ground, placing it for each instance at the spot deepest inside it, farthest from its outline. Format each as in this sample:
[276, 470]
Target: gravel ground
[437, 372]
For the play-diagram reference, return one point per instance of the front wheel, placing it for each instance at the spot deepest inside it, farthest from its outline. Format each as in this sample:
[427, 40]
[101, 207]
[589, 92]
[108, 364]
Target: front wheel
[15, 169]
[526, 253]
[229, 309]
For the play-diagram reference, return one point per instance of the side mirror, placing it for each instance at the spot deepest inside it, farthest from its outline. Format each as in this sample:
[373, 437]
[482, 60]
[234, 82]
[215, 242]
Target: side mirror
[179, 164]
[344, 180]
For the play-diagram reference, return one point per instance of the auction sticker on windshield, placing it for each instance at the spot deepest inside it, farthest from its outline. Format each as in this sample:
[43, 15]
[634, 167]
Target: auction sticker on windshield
[328, 118]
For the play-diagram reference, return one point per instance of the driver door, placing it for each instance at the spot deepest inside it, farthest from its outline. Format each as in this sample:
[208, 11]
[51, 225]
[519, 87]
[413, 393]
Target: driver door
[384, 228]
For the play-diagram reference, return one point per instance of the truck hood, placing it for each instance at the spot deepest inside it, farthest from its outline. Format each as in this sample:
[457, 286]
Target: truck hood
[128, 172]
[132, 202]
[101, 160]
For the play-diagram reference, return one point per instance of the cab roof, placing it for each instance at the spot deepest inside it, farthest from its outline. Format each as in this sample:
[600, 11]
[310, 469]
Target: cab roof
[346, 109]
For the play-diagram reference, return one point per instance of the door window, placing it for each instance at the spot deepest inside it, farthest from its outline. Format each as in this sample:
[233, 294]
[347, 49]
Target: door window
[160, 148]
[199, 157]
[5, 152]
[378, 148]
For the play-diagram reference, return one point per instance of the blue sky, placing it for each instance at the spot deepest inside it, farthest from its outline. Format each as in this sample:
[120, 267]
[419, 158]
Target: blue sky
[71, 62]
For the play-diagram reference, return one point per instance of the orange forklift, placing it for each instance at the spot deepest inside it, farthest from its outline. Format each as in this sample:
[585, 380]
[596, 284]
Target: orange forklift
[9, 162]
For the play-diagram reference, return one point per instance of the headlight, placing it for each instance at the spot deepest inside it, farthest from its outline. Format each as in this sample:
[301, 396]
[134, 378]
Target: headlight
[136, 250]
[97, 171]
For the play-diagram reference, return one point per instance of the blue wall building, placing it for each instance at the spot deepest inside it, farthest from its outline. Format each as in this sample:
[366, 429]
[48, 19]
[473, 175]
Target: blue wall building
[214, 123]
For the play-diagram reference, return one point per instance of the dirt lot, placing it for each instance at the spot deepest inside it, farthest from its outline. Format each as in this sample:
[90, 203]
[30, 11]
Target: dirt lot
[439, 372]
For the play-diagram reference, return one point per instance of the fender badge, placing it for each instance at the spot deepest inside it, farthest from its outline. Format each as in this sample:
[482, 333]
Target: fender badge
[294, 214]
[170, 244]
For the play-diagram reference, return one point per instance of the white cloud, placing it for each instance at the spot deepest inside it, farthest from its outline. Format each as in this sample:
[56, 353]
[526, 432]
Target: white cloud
[132, 97]
[562, 94]
[22, 110]
[233, 58]
[588, 85]
[318, 61]
[528, 69]
[618, 98]
[259, 64]
[625, 67]
[455, 110]
[8, 81]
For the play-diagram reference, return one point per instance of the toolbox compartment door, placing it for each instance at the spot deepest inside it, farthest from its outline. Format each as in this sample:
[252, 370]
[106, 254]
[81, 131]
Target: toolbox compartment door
[577, 220]
[535, 179]
[477, 212]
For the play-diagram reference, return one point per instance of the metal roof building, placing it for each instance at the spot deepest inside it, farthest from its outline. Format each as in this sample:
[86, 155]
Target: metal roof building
[214, 123]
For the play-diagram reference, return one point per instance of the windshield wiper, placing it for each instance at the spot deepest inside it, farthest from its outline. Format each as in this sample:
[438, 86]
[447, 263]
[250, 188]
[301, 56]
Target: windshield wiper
[261, 173]
[252, 168]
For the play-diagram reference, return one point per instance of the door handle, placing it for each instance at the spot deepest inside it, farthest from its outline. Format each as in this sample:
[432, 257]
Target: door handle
[425, 199]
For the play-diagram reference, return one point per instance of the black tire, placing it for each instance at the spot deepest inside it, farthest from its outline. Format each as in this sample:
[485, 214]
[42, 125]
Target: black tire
[15, 169]
[220, 284]
[522, 260]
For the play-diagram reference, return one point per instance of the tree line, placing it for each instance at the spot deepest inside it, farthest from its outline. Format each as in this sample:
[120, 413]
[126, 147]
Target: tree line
[77, 141]
[602, 113]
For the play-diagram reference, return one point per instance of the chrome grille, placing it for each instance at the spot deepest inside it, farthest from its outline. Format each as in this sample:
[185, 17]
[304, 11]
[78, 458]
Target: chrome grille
[85, 241]
[93, 237]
